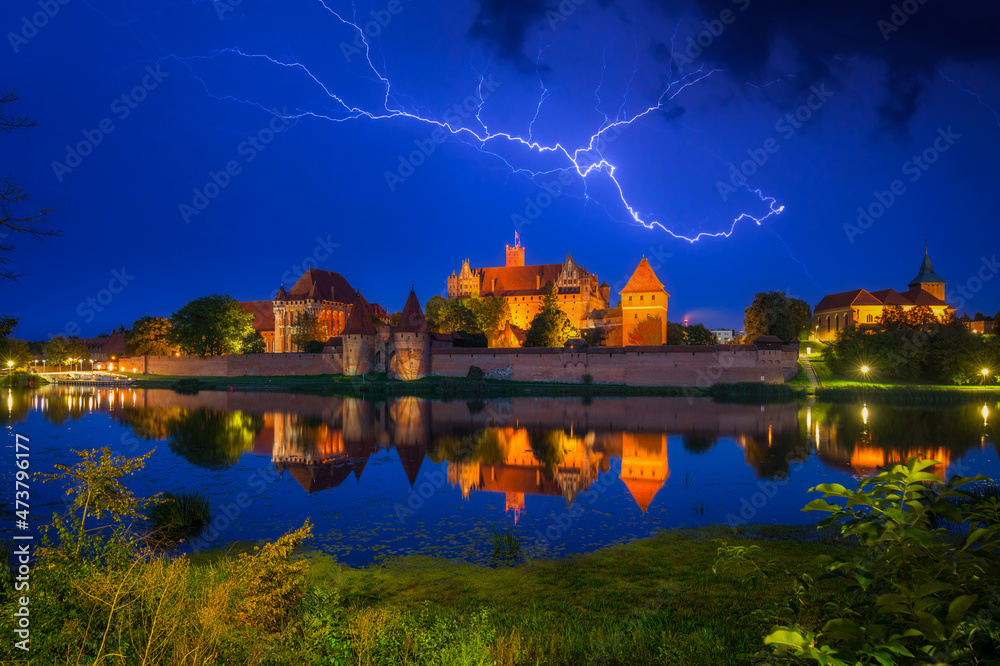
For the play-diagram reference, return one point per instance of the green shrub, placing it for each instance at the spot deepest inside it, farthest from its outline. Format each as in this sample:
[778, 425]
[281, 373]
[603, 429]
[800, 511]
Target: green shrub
[188, 386]
[475, 373]
[920, 593]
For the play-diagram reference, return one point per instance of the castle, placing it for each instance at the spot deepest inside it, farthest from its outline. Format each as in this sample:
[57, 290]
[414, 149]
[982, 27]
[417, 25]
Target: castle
[864, 308]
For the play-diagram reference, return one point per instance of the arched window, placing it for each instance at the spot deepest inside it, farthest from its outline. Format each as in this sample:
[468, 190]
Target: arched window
[828, 323]
[870, 319]
[838, 322]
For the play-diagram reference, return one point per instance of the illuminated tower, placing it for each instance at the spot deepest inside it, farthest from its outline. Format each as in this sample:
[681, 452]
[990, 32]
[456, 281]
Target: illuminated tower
[642, 297]
[927, 279]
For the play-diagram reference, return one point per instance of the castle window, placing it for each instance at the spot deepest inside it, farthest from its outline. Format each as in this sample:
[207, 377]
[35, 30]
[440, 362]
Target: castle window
[869, 319]
[641, 297]
[629, 299]
[654, 297]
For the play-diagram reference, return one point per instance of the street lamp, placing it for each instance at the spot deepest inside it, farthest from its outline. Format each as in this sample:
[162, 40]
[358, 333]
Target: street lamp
[985, 372]
[10, 364]
[864, 371]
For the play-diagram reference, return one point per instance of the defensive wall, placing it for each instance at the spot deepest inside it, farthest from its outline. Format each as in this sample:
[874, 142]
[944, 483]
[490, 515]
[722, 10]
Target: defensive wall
[664, 365]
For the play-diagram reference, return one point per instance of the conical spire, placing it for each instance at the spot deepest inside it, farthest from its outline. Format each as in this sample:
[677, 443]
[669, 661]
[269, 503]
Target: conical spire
[359, 321]
[282, 294]
[926, 274]
[411, 319]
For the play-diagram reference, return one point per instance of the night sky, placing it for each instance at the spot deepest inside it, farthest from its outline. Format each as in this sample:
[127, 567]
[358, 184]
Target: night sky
[141, 114]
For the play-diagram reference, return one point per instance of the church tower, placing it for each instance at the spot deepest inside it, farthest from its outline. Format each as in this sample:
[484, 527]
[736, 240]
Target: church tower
[927, 279]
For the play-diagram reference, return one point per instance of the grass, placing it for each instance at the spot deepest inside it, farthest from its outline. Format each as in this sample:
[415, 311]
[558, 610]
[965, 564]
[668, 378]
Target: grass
[178, 516]
[651, 601]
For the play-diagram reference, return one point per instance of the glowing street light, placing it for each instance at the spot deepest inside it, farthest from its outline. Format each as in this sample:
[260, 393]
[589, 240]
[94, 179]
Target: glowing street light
[984, 372]
[10, 364]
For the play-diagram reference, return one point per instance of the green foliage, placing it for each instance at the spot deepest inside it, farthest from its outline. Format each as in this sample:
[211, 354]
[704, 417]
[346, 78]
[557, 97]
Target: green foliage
[21, 379]
[210, 325]
[60, 348]
[149, 336]
[774, 313]
[173, 517]
[920, 592]
[187, 386]
[308, 328]
[12, 349]
[693, 334]
[446, 315]
[7, 325]
[506, 546]
[490, 313]
[947, 354]
[475, 373]
[550, 327]
[254, 343]
[394, 318]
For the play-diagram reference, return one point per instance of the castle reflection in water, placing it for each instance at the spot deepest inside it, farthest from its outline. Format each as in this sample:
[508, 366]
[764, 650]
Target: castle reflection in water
[516, 446]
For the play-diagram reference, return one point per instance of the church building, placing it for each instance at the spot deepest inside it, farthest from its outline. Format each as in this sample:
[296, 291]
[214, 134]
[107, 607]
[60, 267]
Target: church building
[864, 308]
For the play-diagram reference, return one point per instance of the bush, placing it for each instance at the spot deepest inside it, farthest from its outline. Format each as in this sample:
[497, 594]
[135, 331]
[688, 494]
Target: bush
[588, 379]
[919, 593]
[475, 373]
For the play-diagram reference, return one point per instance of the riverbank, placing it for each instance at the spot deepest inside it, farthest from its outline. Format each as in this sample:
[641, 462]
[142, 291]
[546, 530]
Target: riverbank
[656, 600]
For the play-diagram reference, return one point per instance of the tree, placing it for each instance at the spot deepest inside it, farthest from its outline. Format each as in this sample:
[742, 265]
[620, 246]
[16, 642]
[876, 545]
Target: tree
[12, 349]
[647, 332]
[675, 333]
[801, 316]
[893, 318]
[771, 313]
[210, 325]
[448, 316]
[394, 318]
[698, 334]
[7, 325]
[550, 327]
[254, 344]
[13, 219]
[309, 333]
[920, 317]
[60, 348]
[149, 336]
[490, 313]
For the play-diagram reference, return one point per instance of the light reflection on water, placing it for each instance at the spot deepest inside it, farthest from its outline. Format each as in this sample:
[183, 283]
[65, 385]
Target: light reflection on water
[410, 475]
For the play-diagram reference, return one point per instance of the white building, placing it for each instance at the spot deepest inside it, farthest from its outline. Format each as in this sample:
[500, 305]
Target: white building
[724, 335]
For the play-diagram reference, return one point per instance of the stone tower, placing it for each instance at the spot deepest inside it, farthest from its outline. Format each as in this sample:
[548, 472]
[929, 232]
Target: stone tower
[359, 339]
[643, 296]
[515, 255]
[410, 353]
[928, 280]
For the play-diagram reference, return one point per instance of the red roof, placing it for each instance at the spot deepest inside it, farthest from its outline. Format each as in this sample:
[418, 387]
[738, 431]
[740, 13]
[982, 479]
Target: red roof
[329, 286]
[411, 319]
[263, 314]
[643, 280]
[521, 279]
[919, 296]
[113, 344]
[359, 321]
[890, 297]
[846, 299]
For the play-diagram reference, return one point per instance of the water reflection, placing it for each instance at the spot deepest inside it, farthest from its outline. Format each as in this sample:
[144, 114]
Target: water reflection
[521, 446]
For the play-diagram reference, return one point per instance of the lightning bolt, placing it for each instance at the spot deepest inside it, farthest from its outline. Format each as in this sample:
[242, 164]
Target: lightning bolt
[584, 160]
[978, 97]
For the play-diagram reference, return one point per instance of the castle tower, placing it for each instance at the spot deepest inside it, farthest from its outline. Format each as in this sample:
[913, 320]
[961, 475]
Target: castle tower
[515, 255]
[927, 279]
[643, 296]
[410, 354]
[644, 466]
[359, 339]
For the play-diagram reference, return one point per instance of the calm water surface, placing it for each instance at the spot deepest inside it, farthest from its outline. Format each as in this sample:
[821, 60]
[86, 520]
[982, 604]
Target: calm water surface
[406, 476]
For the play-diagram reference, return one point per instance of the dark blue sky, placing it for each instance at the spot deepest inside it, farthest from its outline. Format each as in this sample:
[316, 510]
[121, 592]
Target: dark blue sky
[281, 95]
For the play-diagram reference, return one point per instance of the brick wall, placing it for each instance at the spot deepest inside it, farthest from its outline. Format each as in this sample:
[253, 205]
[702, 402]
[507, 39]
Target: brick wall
[635, 366]
[237, 365]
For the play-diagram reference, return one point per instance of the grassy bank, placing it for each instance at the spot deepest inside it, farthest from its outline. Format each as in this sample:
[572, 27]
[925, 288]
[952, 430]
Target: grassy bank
[652, 601]
[907, 395]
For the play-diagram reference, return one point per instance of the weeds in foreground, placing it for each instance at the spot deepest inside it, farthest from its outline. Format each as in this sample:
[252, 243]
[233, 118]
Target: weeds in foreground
[177, 516]
[506, 546]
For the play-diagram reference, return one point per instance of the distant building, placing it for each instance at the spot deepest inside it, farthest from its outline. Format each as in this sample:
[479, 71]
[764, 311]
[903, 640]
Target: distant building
[724, 335]
[861, 307]
[105, 349]
[981, 327]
